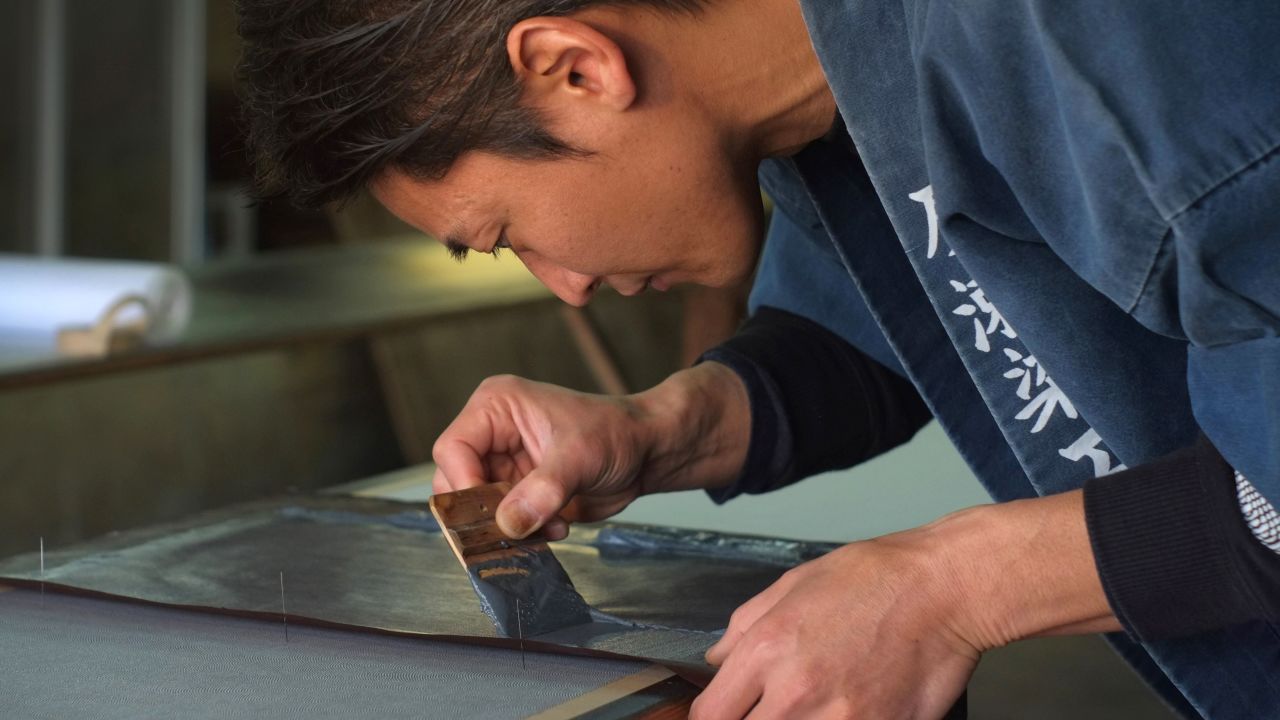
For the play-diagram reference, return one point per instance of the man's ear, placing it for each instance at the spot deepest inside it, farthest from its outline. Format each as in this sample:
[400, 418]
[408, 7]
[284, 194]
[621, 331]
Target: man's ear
[558, 59]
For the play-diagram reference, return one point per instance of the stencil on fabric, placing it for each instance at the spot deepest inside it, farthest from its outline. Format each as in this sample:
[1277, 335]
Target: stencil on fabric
[368, 563]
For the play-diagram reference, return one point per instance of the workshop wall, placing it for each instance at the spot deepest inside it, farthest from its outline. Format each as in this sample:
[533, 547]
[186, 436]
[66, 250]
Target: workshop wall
[904, 488]
[86, 457]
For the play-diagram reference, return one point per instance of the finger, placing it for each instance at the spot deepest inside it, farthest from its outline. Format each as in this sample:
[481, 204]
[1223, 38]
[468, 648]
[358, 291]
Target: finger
[524, 463]
[744, 618]
[483, 428]
[502, 468]
[574, 510]
[556, 529]
[460, 462]
[775, 705]
[732, 692]
[440, 483]
[534, 501]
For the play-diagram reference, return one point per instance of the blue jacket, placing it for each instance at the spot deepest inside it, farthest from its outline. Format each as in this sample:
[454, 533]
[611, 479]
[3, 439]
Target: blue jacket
[1066, 231]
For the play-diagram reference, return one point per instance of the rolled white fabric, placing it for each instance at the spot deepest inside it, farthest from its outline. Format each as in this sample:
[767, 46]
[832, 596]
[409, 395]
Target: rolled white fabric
[40, 296]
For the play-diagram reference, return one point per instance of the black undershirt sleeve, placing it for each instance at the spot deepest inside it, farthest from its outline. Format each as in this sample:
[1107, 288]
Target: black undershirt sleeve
[817, 402]
[1173, 550]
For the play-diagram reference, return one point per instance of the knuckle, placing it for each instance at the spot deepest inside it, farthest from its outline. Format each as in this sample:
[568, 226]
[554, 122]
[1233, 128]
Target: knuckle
[544, 492]
[440, 448]
[798, 689]
[738, 621]
[805, 683]
[791, 698]
[767, 634]
[498, 383]
[762, 649]
[771, 641]
[792, 576]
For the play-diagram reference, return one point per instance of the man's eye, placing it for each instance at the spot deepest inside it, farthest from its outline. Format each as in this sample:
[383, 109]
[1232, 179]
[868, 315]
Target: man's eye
[457, 252]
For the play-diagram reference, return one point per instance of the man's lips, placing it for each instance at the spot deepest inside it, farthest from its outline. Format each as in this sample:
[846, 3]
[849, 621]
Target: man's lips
[653, 281]
[629, 290]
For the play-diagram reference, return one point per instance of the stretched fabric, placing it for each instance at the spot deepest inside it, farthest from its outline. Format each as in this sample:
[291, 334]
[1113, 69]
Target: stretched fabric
[657, 594]
[74, 657]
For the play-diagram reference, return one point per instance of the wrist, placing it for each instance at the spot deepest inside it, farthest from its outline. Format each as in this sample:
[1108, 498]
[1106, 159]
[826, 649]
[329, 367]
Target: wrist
[696, 426]
[1021, 569]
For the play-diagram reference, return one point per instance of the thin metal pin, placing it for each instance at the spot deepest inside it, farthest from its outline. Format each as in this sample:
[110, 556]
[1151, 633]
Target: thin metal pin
[42, 566]
[284, 613]
[520, 634]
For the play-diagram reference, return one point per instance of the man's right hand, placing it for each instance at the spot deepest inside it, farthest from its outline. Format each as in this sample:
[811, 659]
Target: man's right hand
[572, 456]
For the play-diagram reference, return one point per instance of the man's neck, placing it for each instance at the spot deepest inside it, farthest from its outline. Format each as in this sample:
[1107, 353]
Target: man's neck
[747, 65]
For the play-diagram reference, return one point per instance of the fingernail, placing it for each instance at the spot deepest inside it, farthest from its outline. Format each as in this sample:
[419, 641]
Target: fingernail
[517, 520]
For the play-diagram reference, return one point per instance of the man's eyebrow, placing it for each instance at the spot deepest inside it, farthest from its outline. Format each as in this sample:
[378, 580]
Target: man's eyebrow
[456, 246]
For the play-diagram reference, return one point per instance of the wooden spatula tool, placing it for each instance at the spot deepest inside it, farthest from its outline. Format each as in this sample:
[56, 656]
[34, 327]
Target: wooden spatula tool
[521, 585]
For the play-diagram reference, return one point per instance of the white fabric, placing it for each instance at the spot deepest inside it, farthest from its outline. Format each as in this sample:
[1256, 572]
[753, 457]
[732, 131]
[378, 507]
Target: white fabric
[40, 296]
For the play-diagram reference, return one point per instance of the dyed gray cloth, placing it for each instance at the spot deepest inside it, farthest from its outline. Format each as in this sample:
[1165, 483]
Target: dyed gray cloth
[69, 657]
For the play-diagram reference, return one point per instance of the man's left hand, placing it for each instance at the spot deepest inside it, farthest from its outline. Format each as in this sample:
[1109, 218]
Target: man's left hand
[894, 627]
[863, 632]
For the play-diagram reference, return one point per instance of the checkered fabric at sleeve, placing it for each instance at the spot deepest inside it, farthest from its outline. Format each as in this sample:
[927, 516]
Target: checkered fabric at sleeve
[1261, 515]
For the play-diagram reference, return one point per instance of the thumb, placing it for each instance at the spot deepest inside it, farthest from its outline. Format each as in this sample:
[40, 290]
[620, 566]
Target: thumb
[533, 502]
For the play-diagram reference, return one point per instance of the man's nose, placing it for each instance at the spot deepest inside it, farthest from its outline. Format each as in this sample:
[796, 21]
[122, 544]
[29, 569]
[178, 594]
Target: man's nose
[571, 287]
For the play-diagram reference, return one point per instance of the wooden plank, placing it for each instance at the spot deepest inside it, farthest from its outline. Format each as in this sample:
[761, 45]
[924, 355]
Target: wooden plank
[654, 693]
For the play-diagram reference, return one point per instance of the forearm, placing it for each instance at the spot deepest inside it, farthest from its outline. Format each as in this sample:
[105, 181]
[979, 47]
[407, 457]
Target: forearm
[1161, 550]
[1021, 569]
[697, 427]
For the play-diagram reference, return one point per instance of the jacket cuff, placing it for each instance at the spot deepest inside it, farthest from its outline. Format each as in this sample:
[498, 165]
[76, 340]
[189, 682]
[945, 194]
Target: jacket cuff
[1172, 550]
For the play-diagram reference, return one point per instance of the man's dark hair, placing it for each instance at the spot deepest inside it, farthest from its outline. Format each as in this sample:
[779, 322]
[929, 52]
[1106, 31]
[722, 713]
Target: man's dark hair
[336, 91]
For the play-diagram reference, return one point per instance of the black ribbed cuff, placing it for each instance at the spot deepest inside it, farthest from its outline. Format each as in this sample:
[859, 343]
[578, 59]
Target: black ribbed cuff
[1172, 549]
[770, 449]
[817, 402]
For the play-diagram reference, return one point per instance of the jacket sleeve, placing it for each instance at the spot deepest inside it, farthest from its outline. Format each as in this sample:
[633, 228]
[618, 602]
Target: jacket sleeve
[1225, 279]
[1206, 553]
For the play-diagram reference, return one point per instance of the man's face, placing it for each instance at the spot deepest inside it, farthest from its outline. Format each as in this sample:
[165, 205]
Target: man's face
[649, 208]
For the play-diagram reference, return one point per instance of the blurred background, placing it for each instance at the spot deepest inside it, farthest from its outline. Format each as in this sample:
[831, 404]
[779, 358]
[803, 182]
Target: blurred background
[287, 349]
[258, 349]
